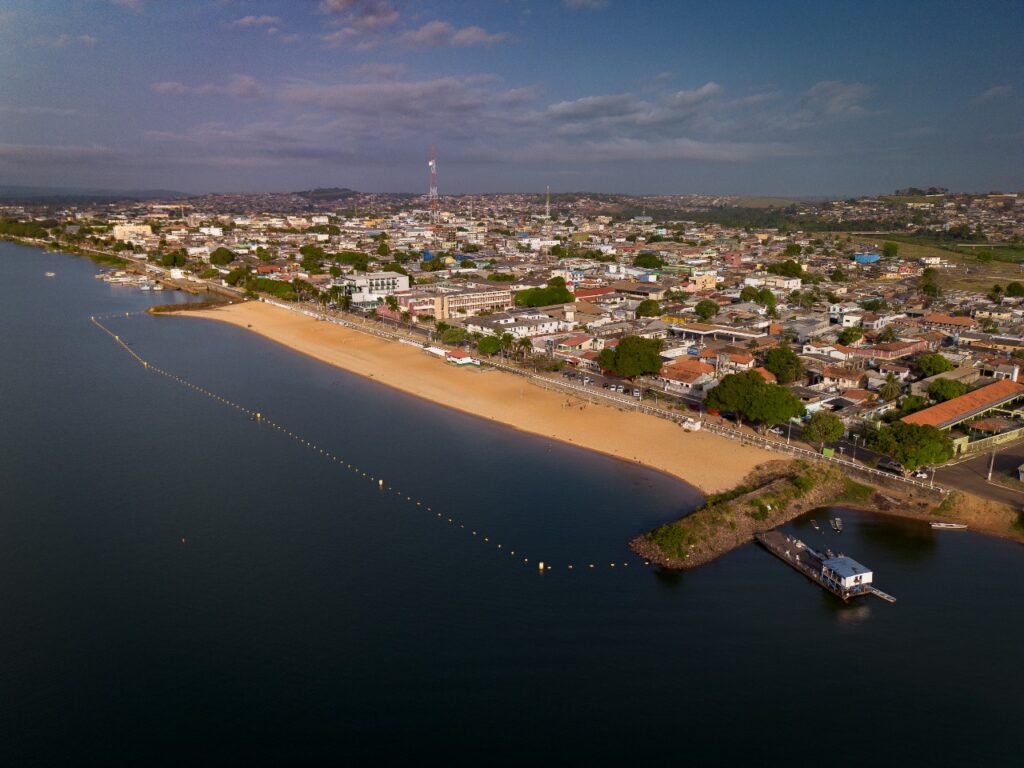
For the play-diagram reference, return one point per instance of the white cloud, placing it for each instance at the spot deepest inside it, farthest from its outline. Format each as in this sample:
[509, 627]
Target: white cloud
[836, 99]
[438, 34]
[588, 5]
[63, 41]
[361, 15]
[995, 92]
[56, 111]
[53, 154]
[239, 86]
[254, 21]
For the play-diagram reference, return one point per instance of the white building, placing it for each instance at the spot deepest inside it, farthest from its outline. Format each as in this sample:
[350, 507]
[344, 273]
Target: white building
[131, 231]
[371, 286]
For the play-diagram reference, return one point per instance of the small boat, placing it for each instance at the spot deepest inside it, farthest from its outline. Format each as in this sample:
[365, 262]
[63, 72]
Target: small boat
[815, 526]
[837, 524]
[948, 526]
[51, 274]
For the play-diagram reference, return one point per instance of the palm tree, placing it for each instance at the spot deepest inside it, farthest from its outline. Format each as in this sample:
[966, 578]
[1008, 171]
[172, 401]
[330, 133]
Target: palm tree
[525, 346]
[891, 389]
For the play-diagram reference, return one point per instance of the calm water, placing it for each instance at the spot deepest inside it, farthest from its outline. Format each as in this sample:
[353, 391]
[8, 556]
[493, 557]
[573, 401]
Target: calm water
[309, 617]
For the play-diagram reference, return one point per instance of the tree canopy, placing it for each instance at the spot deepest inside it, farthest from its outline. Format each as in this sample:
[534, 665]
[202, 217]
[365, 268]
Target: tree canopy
[890, 249]
[648, 261]
[942, 390]
[554, 293]
[749, 293]
[749, 396]
[222, 256]
[850, 335]
[632, 356]
[648, 308]
[824, 427]
[706, 309]
[912, 445]
[785, 364]
[931, 364]
[787, 268]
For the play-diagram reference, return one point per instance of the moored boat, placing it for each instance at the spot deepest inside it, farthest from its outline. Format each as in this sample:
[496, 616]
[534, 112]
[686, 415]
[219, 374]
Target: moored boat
[837, 524]
[948, 526]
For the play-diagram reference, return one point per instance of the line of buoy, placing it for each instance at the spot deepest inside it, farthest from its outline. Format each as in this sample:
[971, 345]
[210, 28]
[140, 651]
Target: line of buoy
[542, 566]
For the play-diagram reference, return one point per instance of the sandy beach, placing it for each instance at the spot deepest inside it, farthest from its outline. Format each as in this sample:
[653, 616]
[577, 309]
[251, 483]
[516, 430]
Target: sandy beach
[709, 462]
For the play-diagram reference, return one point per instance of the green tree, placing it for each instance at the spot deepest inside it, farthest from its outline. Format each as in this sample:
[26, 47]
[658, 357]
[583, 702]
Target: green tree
[749, 396]
[383, 249]
[787, 268]
[632, 356]
[766, 298]
[931, 364]
[891, 389]
[890, 249]
[648, 261]
[489, 345]
[554, 293]
[942, 390]
[736, 393]
[749, 293]
[785, 364]
[887, 334]
[838, 276]
[706, 309]
[792, 249]
[222, 256]
[392, 302]
[453, 335]
[912, 445]
[850, 335]
[648, 308]
[776, 405]
[824, 427]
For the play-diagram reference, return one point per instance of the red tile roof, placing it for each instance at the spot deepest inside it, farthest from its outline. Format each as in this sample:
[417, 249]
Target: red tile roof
[959, 408]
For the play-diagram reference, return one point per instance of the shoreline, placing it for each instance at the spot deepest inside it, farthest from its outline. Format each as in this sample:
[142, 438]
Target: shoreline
[707, 462]
[783, 491]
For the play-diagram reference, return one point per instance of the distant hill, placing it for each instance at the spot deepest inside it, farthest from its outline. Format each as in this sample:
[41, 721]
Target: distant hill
[19, 194]
[328, 193]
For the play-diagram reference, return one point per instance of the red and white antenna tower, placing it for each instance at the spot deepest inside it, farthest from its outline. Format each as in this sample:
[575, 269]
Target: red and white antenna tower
[433, 184]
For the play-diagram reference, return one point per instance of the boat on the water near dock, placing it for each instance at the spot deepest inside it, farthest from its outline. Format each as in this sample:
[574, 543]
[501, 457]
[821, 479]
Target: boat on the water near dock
[51, 274]
[948, 526]
[843, 576]
[815, 526]
[837, 524]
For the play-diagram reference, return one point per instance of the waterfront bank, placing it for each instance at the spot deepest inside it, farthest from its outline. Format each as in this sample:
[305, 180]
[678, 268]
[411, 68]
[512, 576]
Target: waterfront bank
[782, 491]
[709, 462]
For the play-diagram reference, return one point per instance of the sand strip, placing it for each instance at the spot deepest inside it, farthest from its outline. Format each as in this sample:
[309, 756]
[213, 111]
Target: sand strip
[710, 462]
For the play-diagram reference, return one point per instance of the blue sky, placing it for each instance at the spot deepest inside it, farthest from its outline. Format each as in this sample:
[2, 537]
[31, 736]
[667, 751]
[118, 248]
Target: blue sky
[784, 98]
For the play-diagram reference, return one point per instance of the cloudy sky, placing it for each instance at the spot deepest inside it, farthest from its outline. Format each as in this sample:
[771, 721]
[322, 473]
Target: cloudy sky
[786, 97]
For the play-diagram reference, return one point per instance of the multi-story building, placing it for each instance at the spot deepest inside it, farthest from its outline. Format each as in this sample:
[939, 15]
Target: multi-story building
[369, 287]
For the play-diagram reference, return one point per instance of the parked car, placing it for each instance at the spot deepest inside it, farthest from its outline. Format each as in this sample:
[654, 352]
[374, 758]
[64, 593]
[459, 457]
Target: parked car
[921, 474]
[636, 393]
[891, 466]
[776, 430]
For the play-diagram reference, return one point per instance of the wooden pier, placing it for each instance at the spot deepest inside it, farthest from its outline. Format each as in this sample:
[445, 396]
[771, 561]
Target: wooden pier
[820, 568]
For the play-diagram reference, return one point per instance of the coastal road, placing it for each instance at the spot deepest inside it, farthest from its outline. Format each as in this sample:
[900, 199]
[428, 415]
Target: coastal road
[971, 475]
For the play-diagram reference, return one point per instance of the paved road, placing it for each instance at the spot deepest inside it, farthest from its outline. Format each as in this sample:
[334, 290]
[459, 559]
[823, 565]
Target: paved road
[971, 475]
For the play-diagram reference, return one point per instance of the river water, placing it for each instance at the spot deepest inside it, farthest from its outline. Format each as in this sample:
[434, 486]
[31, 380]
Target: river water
[182, 584]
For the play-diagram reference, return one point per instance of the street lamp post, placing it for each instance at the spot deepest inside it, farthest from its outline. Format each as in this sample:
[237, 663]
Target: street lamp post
[789, 432]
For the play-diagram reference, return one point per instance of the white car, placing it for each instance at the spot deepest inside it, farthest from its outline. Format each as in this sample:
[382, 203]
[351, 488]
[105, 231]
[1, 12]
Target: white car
[921, 474]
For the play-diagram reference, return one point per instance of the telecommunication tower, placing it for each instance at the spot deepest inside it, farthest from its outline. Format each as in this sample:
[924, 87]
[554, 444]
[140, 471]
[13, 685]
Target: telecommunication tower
[547, 204]
[433, 184]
